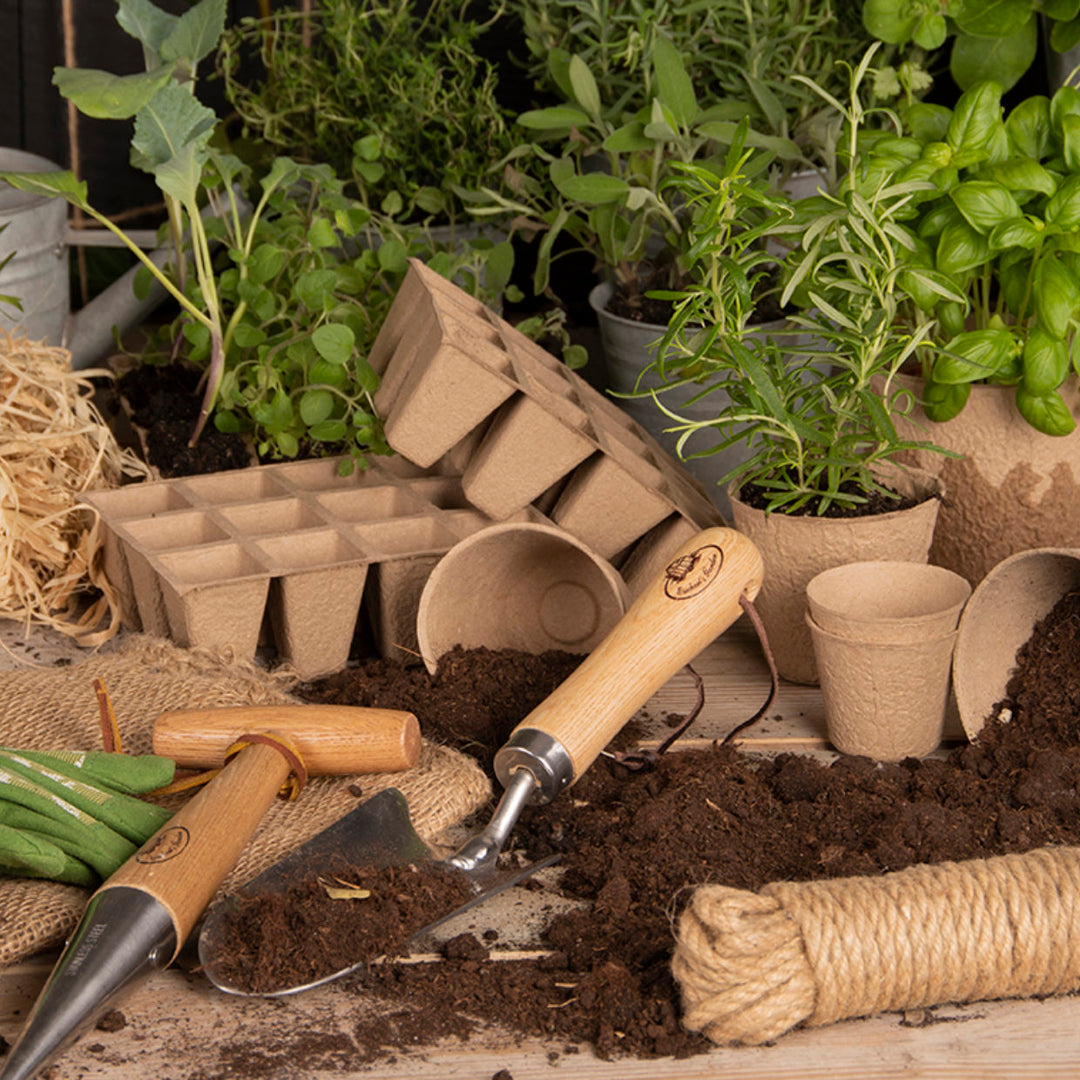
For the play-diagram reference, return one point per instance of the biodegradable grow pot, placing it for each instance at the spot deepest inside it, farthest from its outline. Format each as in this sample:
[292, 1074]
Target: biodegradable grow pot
[1014, 489]
[629, 347]
[887, 601]
[795, 548]
[530, 587]
[999, 619]
[884, 700]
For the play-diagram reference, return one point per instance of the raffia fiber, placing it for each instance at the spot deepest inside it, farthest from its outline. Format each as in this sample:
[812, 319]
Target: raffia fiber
[751, 966]
[56, 708]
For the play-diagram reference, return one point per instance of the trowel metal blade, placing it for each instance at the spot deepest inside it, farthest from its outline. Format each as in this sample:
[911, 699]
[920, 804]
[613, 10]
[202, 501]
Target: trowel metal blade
[378, 833]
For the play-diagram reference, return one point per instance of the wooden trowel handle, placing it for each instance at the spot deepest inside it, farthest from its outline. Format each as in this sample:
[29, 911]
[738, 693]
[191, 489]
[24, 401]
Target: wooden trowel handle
[337, 740]
[684, 609]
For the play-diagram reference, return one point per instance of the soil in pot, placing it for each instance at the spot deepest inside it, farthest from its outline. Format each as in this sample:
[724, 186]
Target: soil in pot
[634, 842]
[877, 502]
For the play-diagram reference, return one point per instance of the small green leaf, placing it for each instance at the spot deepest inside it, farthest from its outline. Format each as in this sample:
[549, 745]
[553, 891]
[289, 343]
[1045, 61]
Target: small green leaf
[314, 289]
[984, 204]
[264, 263]
[595, 188]
[331, 431]
[334, 342]
[1047, 413]
[1046, 363]
[973, 120]
[555, 118]
[675, 87]
[889, 21]
[321, 234]
[247, 336]
[586, 92]
[316, 406]
[961, 248]
[195, 34]
[941, 401]
[393, 256]
[974, 355]
[49, 184]
[145, 22]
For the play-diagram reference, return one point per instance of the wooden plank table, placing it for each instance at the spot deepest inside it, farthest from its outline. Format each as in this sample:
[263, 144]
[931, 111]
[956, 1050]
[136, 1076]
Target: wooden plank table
[180, 1028]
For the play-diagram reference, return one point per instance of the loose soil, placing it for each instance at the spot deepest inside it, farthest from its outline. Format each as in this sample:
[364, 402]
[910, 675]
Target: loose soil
[876, 502]
[635, 843]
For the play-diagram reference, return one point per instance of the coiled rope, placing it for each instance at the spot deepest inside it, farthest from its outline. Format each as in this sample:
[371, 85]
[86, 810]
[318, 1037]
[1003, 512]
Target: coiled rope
[751, 966]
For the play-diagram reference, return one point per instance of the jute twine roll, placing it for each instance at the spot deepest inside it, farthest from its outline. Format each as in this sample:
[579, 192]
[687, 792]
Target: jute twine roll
[56, 708]
[751, 966]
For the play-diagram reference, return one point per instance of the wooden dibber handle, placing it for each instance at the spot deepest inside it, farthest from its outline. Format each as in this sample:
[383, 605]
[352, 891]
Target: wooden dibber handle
[184, 862]
[691, 603]
[334, 740]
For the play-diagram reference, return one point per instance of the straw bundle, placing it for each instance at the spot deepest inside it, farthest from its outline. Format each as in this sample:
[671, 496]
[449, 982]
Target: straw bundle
[54, 445]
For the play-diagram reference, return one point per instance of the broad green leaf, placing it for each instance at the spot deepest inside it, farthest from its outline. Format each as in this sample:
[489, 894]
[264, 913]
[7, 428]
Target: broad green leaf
[928, 123]
[1070, 142]
[943, 401]
[172, 121]
[974, 355]
[675, 87]
[1063, 210]
[105, 96]
[1004, 59]
[49, 184]
[594, 188]
[316, 406]
[1021, 175]
[973, 120]
[1046, 363]
[1062, 10]
[960, 248]
[1028, 127]
[586, 92]
[1047, 413]
[993, 18]
[145, 22]
[275, 415]
[930, 31]
[984, 204]
[195, 34]
[287, 444]
[1016, 233]
[889, 21]
[1065, 35]
[1057, 295]
[334, 342]
[283, 172]
[1065, 102]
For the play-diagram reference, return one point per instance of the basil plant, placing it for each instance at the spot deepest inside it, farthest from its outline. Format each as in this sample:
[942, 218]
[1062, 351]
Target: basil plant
[998, 221]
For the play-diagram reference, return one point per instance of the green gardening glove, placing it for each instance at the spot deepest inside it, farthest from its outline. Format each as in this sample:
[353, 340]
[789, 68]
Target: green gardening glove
[132, 774]
[24, 853]
[101, 847]
[132, 818]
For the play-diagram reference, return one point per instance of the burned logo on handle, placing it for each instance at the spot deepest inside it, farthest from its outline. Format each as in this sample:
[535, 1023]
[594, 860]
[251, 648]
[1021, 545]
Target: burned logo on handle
[165, 846]
[691, 574]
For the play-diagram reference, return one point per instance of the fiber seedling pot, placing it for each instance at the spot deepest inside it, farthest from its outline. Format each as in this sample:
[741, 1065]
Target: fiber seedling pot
[530, 587]
[999, 619]
[1013, 490]
[886, 601]
[795, 548]
[883, 700]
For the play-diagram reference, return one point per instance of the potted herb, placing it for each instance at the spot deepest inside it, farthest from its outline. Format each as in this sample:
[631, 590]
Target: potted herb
[996, 227]
[821, 483]
[394, 96]
[740, 54]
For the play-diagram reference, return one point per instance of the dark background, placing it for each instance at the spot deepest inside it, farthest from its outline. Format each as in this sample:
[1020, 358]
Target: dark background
[33, 115]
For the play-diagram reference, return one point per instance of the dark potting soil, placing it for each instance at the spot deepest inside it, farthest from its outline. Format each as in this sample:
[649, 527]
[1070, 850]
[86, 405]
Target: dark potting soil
[343, 916]
[635, 843]
[165, 402]
[876, 502]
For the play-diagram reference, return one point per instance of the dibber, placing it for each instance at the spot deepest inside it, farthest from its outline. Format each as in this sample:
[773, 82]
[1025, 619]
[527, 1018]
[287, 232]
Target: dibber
[139, 918]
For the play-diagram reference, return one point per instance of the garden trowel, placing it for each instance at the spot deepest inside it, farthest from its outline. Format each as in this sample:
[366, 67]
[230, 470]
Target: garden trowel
[697, 595]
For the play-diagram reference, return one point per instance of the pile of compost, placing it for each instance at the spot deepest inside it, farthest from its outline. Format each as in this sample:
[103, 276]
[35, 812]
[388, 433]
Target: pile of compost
[635, 843]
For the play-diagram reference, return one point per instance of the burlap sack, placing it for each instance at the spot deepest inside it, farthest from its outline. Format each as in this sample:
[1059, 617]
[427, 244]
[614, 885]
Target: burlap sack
[56, 708]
